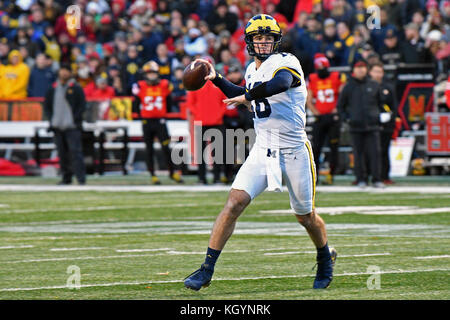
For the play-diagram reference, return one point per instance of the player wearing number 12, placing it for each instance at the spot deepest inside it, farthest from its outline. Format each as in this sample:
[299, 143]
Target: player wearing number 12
[275, 92]
[150, 105]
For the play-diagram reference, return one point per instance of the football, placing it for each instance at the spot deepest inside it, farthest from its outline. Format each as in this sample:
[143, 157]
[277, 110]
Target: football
[194, 75]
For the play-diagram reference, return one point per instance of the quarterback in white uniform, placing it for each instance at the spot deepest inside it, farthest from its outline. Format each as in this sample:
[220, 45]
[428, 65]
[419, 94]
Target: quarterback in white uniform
[275, 92]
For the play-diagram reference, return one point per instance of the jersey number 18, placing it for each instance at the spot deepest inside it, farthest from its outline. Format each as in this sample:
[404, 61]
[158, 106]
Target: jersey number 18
[261, 106]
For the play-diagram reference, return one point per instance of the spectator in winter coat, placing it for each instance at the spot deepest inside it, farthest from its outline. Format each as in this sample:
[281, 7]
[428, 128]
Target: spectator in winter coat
[377, 35]
[391, 52]
[166, 61]
[150, 40]
[64, 106]
[131, 68]
[41, 76]
[223, 19]
[360, 105]
[14, 77]
[195, 43]
[414, 46]
[38, 23]
[387, 117]
[331, 44]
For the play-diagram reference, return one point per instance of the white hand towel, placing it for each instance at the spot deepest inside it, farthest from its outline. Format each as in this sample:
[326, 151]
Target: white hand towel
[385, 117]
[273, 170]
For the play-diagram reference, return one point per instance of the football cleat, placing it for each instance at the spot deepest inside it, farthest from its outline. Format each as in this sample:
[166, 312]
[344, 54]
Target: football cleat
[176, 177]
[324, 274]
[156, 180]
[200, 278]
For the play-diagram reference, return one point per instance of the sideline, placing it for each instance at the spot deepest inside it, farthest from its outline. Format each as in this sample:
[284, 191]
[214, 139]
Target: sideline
[214, 188]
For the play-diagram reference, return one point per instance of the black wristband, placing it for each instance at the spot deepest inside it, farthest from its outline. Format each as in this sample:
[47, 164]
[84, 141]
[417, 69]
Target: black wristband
[218, 79]
[258, 92]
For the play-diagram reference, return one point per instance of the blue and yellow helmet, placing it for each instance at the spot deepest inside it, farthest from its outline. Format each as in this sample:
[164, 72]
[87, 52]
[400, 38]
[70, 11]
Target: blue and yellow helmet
[262, 24]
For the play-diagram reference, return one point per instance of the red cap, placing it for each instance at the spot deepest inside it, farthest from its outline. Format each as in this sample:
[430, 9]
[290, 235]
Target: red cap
[122, 3]
[194, 16]
[360, 64]
[105, 20]
[93, 55]
[431, 3]
[108, 47]
[321, 61]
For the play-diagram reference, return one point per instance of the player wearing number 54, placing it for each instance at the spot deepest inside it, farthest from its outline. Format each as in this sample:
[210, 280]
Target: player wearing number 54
[151, 97]
[275, 92]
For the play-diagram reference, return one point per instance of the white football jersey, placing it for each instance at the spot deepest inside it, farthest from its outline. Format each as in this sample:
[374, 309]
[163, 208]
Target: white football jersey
[280, 119]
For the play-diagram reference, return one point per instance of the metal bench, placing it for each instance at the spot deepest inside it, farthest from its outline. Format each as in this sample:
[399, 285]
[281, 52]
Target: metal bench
[109, 136]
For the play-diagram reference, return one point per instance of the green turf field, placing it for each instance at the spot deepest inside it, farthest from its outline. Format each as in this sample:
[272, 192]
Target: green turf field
[140, 245]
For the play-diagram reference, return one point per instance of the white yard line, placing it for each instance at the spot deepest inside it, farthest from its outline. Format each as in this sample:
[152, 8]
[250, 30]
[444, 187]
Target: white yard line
[227, 251]
[143, 250]
[368, 210]
[195, 188]
[78, 249]
[174, 252]
[17, 247]
[364, 255]
[287, 253]
[244, 227]
[169, 251]
[433, 257]
[407, 212]
[111, 284]
[339, 256]
[61, 237]
[104, 208]
[79, 258]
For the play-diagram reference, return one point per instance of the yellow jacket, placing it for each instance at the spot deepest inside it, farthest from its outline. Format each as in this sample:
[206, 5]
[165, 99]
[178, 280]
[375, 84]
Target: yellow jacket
[14, 78]
[2, 67]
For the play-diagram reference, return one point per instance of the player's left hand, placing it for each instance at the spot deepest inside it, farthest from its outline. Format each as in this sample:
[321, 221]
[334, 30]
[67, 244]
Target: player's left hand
[237, 101]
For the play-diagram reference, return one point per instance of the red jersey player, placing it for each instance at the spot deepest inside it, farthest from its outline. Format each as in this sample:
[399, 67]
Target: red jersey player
[323, 90]
[150, 105]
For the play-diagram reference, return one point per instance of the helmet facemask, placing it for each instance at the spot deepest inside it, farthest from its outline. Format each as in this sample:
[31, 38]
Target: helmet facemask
[254, 48]
[152, 77]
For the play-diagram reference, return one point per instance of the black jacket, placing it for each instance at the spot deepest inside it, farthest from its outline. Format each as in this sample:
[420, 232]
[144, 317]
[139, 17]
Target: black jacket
[392, 55]
[360, 104]
[389, 103]
[75, 97]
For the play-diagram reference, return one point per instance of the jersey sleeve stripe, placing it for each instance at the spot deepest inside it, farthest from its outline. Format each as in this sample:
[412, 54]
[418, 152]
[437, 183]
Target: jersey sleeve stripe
[294, 73]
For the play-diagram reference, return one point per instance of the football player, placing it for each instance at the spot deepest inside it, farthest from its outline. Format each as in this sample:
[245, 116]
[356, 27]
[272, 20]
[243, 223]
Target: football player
[276, 92]
[323, 90]
[150, 106]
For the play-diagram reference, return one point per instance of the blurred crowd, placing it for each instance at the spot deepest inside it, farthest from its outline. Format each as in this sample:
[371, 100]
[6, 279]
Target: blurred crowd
[111, 41]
